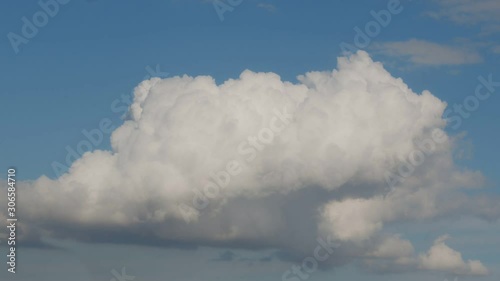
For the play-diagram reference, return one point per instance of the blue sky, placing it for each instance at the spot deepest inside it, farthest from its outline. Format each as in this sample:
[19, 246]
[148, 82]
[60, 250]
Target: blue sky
[98, 51]
[90, 53]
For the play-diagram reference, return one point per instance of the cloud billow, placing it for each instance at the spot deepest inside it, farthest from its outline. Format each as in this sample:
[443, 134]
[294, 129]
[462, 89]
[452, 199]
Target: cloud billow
[323, 175]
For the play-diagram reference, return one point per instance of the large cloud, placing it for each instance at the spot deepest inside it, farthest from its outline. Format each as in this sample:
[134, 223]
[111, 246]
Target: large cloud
[258, 162]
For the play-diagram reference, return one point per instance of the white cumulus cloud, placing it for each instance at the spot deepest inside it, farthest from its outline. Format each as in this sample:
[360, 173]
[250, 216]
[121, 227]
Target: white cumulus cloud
[441, 257]
[309, 158]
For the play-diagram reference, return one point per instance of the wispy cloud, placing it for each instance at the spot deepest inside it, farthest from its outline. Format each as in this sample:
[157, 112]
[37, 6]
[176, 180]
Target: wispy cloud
[489, 29]
[421, 52]
[225, 256]
[267, 6]
[468, 11]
